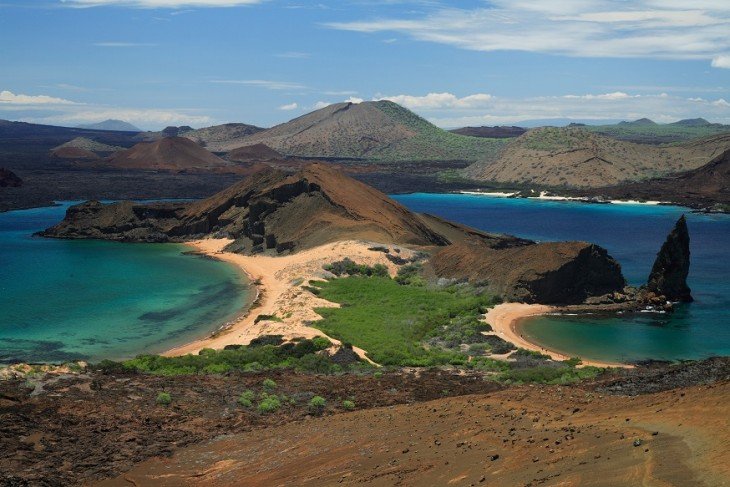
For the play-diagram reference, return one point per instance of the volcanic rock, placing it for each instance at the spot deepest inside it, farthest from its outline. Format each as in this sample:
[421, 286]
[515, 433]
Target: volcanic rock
[668, 276]
[9, 179]
[256, 152]
[548, 273]
[74, 153]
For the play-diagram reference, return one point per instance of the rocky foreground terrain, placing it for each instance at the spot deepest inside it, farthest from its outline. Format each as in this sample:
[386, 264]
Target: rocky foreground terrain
[654, 425]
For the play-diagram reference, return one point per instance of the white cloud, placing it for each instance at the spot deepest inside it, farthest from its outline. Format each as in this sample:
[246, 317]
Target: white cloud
[354, 99]
[8, 98]
[448, 110]
[158, 3]
[438, 100]
[721, 62]
[658, 29]
[294, 55]
[261, 83]
[321, 104]
[123, 44]
[150, 118]
[290, 106]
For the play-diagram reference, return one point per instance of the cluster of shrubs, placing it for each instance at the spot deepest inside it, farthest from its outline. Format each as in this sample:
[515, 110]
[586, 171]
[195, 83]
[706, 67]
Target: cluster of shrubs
[348, 267]
[263, 353]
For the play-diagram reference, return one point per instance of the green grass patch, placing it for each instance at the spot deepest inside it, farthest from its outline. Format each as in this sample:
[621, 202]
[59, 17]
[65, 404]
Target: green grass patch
[550, 375]
[302, 355]
[393, 322]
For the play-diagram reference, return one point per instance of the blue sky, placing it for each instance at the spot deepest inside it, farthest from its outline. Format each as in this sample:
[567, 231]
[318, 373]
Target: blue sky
[201, 62]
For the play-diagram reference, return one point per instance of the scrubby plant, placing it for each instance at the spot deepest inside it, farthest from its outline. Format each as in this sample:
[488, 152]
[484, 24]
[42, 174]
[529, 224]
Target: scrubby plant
[163, 398]
[348, 267]
[269, 404]
[268, 384]
[317, 404]
[347, 404]
[246, 398]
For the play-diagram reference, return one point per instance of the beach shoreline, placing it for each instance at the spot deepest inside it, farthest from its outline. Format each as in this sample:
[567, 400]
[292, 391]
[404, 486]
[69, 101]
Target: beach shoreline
[506, 320]
[279, 291]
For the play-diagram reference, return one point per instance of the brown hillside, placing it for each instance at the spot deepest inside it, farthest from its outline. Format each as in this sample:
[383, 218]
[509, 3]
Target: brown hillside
[340, 129]
[256, 152]
[574, 157]
[168, 154]
[74, 153]
[551, 272]
[214, 137]
[704, 186]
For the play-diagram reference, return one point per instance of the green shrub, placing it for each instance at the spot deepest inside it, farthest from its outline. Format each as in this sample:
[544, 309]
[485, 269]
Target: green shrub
[216, 368]
[246, 398]
[265, 317]
[550, 375]
[350, 268]
[268, 385]
[378, 374]
[163, 398]
[321, 343]
[349, 405]
[573, 361]
[317, 404]
[269, 404]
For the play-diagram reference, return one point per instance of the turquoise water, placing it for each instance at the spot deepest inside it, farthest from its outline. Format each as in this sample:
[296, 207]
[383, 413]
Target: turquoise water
[632, 234]
[82, 299]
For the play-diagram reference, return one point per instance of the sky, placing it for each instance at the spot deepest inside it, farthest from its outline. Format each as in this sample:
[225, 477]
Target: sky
[156, 63]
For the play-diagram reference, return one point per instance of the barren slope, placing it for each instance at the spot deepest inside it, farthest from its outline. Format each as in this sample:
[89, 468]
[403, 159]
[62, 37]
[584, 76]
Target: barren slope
[574, 157]
[170, 153]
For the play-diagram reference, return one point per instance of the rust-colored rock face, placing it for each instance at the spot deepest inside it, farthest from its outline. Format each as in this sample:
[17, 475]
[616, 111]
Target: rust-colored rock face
[668, 276]
[549, 273]
[170, 153]
[275, 212]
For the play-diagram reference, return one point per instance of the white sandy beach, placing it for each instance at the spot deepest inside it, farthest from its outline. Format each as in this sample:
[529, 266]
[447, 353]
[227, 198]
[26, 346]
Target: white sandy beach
[279, 280]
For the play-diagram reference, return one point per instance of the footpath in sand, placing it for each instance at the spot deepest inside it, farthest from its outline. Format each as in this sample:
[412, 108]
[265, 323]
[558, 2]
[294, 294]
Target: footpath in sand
[278, 281]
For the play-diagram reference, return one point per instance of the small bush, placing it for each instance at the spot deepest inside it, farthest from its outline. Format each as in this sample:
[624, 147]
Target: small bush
[246, 398]
[267, 318]
[268, 384]
[321, 343]
[349, 405]
[163, 398]
[317, 404]
[269, 404]
[350, 268]
[378, 374]
[573, 361]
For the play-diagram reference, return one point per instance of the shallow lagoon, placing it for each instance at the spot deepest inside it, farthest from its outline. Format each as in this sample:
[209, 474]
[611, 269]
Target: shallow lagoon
[82, 299]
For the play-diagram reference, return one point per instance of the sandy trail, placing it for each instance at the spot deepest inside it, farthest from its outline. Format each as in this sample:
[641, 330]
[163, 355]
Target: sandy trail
[279, 282]
[505, 321]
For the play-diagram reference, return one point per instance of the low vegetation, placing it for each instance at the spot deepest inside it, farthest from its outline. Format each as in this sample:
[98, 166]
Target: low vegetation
[302, 354]
[402, 324]
[163, 398]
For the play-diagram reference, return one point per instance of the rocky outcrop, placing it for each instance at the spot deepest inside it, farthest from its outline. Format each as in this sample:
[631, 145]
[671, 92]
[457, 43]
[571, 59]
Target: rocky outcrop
[548, 273]
[8, 179]
[275, 212]
[270, 210]
[668, 276]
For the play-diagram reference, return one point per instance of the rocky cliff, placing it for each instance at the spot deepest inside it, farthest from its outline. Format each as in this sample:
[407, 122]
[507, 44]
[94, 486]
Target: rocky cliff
[668, 275]
[275, 212]
[548, 273]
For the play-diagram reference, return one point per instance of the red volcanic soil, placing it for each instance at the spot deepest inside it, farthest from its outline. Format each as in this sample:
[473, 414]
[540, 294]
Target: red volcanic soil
[521, 436]
[168, 154]
[74, 153]
[256, 152]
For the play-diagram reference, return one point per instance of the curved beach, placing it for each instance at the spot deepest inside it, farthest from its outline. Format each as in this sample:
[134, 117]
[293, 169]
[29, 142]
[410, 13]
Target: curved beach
[505, 321]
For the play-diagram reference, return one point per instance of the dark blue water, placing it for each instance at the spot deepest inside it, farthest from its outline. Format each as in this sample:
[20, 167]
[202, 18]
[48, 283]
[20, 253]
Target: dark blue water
[83, 299]
[632, 234]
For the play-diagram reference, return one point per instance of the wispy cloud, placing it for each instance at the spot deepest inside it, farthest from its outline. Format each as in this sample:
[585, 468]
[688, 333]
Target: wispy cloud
[594, 28]
[444, 111]
[289, 106]
[10, 99]
[174, 4]
[124, 44]
[261, 83]
[294, 55]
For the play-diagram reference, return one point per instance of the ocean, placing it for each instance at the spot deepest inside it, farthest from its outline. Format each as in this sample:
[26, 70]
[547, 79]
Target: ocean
[62, 300]
[633, 234]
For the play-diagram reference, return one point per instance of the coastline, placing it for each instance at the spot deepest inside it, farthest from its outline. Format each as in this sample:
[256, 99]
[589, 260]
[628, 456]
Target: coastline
[279, 292]
[506, 319]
